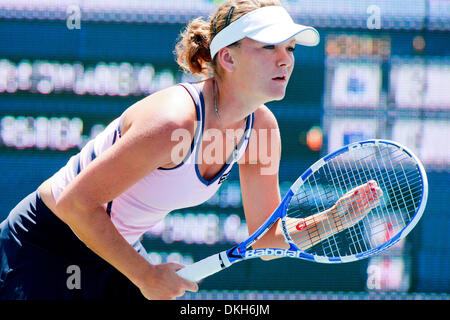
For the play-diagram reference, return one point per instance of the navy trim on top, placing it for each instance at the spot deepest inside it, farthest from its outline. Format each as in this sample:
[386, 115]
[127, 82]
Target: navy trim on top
[246, 136]
[91, 150]
[77, 159]
[116, 133]
[199, 102]
[119, 127]
[90, 145]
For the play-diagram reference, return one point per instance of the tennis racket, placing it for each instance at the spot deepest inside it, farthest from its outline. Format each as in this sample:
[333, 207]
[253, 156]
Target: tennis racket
[351, 204]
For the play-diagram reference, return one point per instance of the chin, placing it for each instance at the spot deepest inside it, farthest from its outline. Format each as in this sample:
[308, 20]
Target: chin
[276, 96]
[277, 93]
[280, 97]
[274, 93]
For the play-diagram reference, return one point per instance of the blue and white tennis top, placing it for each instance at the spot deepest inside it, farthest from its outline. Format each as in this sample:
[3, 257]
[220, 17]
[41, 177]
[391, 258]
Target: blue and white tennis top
[163, 190]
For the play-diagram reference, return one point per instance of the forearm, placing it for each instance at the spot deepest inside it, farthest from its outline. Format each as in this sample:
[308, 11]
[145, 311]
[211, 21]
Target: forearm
[309, 231]
[97, 231]
[272, 239]
[304, 232]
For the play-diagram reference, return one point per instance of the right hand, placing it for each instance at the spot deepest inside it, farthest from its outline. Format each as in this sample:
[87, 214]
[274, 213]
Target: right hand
[355, 205]
[165, 284]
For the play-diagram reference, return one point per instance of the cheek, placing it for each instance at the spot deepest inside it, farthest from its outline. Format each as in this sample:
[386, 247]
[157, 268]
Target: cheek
[253, 69]
[290, 71]
[292, 64]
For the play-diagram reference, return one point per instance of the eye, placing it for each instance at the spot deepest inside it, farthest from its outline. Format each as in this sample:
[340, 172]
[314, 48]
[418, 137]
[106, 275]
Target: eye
[291, 49]
[269, 47]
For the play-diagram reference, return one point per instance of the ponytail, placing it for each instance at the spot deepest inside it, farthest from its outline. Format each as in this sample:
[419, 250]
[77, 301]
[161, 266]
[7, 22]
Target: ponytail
[192, 50]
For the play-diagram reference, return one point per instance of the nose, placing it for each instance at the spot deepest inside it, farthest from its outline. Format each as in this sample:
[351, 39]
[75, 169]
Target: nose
[285, 58]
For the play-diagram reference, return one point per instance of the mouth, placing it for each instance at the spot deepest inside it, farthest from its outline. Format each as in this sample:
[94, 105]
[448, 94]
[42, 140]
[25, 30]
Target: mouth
[280, 78]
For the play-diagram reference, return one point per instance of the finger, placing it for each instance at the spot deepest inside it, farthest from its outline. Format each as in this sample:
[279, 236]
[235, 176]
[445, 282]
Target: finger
[376, 192]
[190, 286]
[370, 186]
[193, 288]
[372, 183]
[175, 266]
[363, 187]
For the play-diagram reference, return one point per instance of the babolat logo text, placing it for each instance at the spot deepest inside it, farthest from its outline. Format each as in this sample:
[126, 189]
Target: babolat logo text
[272, 252]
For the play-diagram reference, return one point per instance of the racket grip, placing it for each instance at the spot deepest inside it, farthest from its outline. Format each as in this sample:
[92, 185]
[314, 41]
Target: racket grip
[204, 268]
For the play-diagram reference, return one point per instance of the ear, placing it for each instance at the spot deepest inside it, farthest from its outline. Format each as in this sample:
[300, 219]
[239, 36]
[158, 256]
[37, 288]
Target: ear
[226, 60]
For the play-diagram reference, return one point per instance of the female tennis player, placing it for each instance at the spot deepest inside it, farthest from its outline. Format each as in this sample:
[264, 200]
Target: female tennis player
[78, 236]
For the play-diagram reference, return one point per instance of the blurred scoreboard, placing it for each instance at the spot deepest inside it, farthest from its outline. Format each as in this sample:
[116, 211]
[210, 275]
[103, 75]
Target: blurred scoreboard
[373, 93]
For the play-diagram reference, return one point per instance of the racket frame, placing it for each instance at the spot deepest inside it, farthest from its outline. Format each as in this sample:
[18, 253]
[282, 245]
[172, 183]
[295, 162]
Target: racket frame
[241, 251]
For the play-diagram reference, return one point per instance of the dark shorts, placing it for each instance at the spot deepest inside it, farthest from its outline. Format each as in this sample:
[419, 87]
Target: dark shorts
[42, 259]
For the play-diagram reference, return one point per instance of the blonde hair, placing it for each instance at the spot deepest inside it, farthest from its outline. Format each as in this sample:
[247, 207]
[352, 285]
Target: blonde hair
[192, 50]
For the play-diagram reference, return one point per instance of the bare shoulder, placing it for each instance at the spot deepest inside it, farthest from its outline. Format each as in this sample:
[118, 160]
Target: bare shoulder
[169, 108]
[265, 119]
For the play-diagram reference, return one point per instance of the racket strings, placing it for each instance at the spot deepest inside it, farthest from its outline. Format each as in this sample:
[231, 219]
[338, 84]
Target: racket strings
[405, 202]
[344, 182]
[394, 188]
[356, 227]
[382, 220]
[395, 173]
[399, 185]
[390, 183]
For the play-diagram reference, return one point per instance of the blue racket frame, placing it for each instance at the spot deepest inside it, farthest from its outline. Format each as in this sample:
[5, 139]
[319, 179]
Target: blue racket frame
[241, 251]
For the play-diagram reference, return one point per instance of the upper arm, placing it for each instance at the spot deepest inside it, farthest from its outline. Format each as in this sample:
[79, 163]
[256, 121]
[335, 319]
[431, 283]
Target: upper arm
[259, 170]
[145, 145]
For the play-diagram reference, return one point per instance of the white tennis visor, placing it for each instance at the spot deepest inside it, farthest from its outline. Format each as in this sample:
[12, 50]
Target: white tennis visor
[271, 25]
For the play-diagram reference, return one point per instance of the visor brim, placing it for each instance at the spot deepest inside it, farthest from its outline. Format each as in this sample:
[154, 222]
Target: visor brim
[275, 34]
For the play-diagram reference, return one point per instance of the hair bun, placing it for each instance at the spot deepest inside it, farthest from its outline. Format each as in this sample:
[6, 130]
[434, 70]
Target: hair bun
[193, 54]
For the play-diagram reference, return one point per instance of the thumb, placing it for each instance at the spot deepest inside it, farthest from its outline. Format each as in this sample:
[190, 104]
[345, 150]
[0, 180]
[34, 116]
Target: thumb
[189, 285]
[175, 266]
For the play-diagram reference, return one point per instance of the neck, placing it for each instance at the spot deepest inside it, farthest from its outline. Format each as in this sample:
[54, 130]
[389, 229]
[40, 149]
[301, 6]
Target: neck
[234, 106]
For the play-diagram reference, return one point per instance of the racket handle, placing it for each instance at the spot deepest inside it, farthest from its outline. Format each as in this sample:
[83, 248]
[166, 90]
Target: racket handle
[204, 268]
